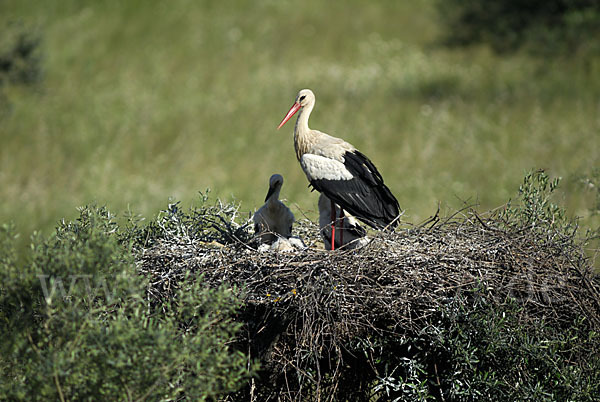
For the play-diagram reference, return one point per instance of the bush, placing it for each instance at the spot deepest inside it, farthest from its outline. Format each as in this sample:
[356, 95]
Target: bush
[501, 306]
[20, 59]
[544, 26]
[77, 325]
[535, 209]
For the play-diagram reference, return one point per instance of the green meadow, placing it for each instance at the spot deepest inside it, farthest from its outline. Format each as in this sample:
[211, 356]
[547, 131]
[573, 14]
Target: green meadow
[141, 102]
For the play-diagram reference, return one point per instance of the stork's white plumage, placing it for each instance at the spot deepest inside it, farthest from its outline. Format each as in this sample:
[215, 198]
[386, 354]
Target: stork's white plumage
[274, 219]
[348, 232]
[283, 245]
[337, 169]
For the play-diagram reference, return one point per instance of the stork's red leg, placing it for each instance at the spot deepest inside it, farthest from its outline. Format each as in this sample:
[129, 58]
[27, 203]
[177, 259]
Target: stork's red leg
[332, 225]
[341, 226]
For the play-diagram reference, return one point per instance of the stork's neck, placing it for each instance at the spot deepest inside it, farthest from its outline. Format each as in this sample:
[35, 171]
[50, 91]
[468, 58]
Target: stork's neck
[302, 133]
[273, 200]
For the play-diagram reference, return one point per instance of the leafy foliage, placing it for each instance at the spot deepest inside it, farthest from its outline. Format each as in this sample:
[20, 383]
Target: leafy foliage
[491, 355]
[479, 349]
[204, 222]
[77, 324]
[536, 210]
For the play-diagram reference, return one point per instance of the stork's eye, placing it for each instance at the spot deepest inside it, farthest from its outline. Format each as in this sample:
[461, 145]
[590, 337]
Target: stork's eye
[302, 97]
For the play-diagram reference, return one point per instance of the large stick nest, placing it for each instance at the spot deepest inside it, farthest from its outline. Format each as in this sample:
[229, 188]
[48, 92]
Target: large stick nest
[303, 308]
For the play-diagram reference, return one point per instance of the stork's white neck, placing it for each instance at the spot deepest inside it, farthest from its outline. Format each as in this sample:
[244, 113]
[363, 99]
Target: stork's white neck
[302, 133]
[302, 121]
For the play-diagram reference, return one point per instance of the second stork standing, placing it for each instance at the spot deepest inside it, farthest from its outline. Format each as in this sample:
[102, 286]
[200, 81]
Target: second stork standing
[337, 169]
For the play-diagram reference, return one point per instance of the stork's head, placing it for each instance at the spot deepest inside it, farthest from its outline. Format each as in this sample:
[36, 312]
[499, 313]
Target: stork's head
[276, 180]
[275, 183]
[305, 97]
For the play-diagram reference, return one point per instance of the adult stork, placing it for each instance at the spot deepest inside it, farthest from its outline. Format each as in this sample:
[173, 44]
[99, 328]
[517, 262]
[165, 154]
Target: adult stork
[337, 169]
[274, 219]
[350, 234]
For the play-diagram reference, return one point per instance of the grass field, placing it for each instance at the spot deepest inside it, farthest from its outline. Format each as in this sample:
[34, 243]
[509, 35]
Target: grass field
[141, 101]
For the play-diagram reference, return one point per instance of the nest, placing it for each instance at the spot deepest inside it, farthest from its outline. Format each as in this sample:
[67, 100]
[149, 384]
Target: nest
[302, 309]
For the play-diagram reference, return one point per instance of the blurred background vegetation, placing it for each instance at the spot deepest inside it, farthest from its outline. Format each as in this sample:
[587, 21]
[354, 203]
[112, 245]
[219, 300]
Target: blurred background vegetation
[129, 103]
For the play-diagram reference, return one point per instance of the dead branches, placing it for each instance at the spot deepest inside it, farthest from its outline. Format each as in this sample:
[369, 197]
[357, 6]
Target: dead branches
[303, 308]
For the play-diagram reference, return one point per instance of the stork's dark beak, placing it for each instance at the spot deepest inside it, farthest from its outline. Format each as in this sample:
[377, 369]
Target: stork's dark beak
[270, 193]
[289, 114]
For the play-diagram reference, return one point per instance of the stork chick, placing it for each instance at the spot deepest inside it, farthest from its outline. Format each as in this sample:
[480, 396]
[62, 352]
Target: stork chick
[274, 219]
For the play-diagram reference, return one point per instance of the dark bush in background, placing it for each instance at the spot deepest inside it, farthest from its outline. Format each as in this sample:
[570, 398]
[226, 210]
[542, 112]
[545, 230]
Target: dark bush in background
[20, 55]
[542, 26]
[20, 60]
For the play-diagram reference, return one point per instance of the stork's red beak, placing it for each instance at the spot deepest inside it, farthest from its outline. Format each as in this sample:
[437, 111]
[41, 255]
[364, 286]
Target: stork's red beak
[289, 114]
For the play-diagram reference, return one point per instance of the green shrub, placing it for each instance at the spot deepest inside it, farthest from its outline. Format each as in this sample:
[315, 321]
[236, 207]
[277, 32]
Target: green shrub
[491, 353]
[77, 325]
[534, 208]
[479, 349]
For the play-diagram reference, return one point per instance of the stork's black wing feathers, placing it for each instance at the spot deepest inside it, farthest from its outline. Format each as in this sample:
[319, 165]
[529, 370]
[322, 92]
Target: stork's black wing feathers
[365, 195]
[361, 166]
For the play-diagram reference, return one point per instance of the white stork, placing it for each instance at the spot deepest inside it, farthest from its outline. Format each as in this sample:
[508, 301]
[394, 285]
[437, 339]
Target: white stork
[341, 172]
[273, 219]
[349, 232]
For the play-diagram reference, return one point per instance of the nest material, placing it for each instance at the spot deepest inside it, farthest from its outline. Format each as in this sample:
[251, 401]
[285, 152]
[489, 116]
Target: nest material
[302, 307]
